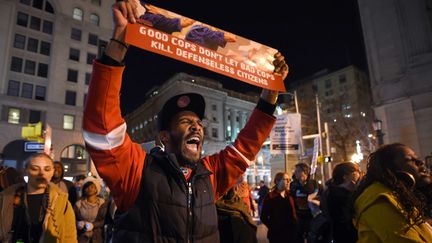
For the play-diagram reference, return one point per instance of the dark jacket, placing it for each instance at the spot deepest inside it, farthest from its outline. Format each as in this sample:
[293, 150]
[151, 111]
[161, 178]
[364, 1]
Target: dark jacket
[235, 223]
[167, 206]
[263, 191]
[338, 206]
[279, 215]
[300, 194]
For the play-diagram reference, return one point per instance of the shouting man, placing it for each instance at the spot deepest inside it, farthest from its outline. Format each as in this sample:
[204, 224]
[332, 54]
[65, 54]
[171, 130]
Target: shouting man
[167, 195]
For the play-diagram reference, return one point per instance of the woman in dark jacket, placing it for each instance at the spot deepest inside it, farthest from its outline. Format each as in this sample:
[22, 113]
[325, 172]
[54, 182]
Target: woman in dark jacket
[278, 212]
[344, 182]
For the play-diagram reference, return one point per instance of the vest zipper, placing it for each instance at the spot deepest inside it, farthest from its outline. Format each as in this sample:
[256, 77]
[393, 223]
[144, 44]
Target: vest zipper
[189, 211]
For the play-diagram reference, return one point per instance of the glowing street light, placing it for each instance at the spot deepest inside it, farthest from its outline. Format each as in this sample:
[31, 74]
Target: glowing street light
[358, 156]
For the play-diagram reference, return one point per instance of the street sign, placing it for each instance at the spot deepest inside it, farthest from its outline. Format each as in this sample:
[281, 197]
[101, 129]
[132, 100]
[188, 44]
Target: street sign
[286, 134]
[33, 147]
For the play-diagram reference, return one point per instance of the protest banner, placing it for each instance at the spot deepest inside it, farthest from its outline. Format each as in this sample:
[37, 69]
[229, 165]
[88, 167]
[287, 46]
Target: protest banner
[181, 38]
[286, 134]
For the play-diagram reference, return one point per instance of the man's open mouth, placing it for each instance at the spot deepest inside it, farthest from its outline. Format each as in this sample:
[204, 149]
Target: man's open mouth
[193, 143]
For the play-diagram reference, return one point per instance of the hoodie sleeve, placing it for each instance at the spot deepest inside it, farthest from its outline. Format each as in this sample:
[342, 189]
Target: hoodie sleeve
[229, 164]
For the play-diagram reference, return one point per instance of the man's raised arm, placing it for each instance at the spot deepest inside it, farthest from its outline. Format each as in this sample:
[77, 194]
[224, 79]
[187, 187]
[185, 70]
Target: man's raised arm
[118, 160]
[230, 163]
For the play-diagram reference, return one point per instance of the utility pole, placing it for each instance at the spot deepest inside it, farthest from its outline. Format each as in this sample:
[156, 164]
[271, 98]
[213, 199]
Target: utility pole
[286, 156]
[328, 152]
[319, 135]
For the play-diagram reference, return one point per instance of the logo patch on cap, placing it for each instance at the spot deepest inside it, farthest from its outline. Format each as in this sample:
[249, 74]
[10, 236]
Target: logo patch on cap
[183, 101]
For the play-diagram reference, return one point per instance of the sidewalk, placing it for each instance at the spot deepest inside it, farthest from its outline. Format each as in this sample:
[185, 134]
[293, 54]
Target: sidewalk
[262, 233]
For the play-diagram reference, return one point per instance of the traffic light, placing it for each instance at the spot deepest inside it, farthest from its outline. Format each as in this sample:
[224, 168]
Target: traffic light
[328, 159]
[33, 132]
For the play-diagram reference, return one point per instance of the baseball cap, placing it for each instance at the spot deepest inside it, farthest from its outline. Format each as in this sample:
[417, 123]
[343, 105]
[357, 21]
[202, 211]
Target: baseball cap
[183, 102]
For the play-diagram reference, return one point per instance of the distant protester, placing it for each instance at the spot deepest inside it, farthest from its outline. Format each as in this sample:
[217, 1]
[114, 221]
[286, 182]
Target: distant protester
[65, 185]
[262, 192]
[90, 211]
[279, 213]
[344, 181]
[300, 188]
[9, 176]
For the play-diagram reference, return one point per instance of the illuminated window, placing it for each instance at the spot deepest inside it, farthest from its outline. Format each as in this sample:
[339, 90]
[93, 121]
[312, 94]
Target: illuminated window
[13, 115]
[68, 122]
[78, 14]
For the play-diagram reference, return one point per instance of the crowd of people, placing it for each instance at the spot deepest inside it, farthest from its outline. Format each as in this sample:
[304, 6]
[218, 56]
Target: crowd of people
[173, 194]
[49, 208]
[389, 202]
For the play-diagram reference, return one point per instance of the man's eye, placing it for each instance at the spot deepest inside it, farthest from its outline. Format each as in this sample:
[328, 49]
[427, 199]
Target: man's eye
[34, 168]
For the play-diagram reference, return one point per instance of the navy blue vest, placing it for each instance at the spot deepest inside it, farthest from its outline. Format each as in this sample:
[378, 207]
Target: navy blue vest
[169, 209]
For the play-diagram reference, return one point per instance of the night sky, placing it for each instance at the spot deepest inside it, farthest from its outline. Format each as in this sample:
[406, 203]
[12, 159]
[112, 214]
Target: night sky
[312, 35]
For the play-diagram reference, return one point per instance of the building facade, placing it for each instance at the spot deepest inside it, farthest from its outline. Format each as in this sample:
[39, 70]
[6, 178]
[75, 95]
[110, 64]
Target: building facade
[398, 41]
[345, 105]
[47, 50]
[226, 114]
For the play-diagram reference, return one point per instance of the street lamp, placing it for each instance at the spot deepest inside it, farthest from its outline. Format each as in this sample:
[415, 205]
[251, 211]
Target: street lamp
[377, 126]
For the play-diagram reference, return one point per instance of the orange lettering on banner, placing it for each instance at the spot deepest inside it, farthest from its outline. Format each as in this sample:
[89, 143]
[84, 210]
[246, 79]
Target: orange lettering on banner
[171, 46]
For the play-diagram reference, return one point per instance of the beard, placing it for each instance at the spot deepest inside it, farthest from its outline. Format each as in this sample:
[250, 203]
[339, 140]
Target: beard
[183, 154]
